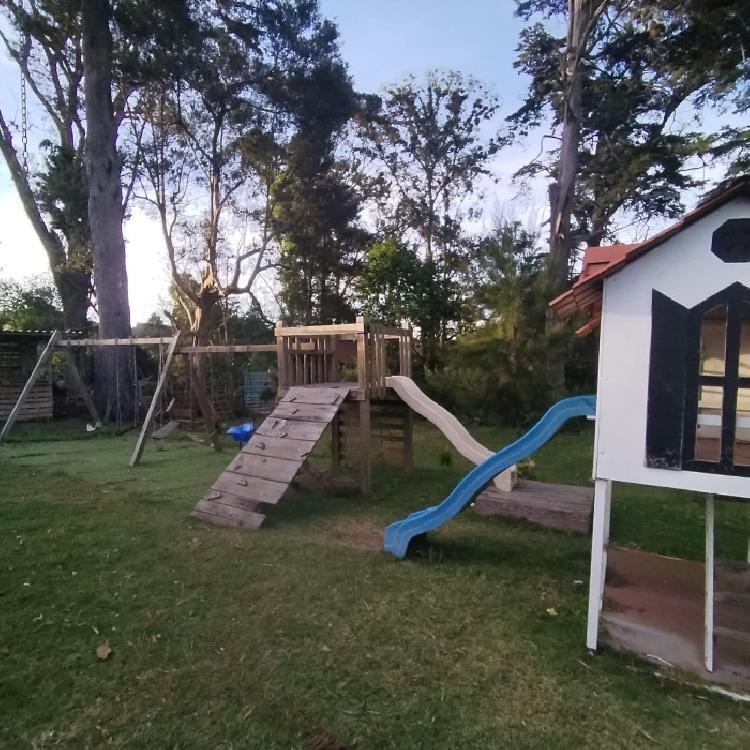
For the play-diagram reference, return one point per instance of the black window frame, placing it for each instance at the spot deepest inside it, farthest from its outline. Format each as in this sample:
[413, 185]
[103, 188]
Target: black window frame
[734, 297]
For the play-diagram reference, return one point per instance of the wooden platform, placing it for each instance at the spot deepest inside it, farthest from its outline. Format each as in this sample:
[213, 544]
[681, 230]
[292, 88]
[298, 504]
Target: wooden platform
[555, 506]
[261, 472]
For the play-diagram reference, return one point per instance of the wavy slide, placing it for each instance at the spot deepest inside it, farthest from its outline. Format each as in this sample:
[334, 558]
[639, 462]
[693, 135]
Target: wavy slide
[408, 391]
[400, 533]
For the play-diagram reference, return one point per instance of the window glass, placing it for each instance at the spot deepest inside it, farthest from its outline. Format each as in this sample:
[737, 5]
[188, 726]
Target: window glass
[745, 341]
[708, 428]
[742, 428]
[714, 341]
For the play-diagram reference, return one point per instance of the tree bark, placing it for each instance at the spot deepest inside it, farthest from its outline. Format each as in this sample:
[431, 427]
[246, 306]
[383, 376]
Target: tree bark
[562, 192]
[114, 376]
[72, 283]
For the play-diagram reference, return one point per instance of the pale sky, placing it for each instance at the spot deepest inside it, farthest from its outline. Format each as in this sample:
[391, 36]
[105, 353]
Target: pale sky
[382, 41]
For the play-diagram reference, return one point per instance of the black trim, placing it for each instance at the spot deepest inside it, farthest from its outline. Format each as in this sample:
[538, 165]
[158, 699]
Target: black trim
[730, 243]
[734, 297]
[666, 383]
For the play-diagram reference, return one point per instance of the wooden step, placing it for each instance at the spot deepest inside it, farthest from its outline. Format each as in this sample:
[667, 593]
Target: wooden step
[261, 472]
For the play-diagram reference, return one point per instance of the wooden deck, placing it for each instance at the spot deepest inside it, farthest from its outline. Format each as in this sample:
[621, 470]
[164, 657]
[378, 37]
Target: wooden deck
[261, 472]
[555, 506]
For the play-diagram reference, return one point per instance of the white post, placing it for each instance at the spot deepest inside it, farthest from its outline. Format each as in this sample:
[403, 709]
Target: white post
[599, 534]
[708, 646]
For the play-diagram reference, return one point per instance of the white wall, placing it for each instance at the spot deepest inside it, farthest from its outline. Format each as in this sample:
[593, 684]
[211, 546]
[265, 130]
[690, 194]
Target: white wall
[685, 269]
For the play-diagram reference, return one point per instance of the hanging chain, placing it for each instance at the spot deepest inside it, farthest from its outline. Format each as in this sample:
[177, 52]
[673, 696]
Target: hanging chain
[24, 127]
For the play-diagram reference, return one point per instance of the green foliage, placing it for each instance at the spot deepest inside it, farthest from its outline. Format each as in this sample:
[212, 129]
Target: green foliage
[430, 140]
[394, 283]
[640, 64]
[34, 305]
[497, 371]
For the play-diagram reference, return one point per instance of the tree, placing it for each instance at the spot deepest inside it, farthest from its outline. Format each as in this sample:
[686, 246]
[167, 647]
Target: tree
[44, 40]
[34, 305]
[105, 210]
[610, 90]
[393, 283]
[496, 370]
[430, 140]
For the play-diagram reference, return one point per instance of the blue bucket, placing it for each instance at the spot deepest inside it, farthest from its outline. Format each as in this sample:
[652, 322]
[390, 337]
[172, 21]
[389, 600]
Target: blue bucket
[241, 433]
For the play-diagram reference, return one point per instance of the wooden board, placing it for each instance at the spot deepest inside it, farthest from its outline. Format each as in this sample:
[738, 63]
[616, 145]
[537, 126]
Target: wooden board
[265, 467]
[165, 431]
[262, 471]
[554, 506]
[305, 412]
[323, 395]
[148, 421]
[286, 428]
[227, 515]
[250, 488]
[296, 450]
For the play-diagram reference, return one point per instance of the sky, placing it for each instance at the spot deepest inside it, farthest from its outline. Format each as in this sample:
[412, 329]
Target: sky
[382, 41]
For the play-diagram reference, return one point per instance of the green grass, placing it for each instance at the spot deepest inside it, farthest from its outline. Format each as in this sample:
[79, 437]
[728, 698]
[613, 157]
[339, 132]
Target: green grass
[271, 639]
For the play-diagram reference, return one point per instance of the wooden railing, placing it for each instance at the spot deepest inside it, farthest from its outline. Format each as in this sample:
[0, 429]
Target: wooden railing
[312, 355]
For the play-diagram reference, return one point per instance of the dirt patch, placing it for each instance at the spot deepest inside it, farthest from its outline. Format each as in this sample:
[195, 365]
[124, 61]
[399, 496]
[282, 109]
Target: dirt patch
[362, 534]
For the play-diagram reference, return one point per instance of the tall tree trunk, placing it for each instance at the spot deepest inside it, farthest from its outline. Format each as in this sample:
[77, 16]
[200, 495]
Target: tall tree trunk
[72, 283]
[198, 381]
[562, 192]
[114, 384]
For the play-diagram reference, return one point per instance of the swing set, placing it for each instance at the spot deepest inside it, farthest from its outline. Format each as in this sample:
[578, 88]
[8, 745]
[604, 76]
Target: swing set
[163, 397]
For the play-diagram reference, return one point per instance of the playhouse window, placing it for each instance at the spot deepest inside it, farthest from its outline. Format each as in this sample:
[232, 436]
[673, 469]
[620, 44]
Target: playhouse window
[698, 414]
[717, 410]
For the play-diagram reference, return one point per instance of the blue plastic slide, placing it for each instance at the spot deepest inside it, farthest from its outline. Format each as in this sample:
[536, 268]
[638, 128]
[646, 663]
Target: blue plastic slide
[400, 533]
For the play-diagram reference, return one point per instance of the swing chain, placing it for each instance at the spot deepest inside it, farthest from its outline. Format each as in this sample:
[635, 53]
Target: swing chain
[24, 127]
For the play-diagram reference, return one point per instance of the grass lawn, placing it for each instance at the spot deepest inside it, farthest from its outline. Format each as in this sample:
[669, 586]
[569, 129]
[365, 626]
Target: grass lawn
[305, 630]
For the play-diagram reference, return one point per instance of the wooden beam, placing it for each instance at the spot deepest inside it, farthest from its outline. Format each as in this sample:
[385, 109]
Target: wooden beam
[147, 422]
[81, 386]
[708, 644]
[142, 341]
[36, 372]
[227, 349]
[365, 467]
[602, 500]
[329, 330]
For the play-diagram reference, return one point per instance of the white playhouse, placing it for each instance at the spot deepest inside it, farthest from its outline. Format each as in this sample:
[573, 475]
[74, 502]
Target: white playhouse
[673, 393]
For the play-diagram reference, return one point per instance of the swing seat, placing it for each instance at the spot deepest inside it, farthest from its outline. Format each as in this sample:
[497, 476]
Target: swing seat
[241, 433]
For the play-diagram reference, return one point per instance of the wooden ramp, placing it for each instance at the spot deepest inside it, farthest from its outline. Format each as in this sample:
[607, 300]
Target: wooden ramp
[556, 506]
[262, 471]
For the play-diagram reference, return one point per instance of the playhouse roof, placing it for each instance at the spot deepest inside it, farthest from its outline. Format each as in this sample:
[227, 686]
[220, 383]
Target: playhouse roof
[600, 262]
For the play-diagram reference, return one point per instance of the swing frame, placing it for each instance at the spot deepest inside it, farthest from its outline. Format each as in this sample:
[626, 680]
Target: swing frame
[173, 347]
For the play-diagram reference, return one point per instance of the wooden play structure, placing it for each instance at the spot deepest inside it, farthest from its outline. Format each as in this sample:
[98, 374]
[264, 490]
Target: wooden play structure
[19, 353]
[673, 410]
[327, 375]
[353, 378]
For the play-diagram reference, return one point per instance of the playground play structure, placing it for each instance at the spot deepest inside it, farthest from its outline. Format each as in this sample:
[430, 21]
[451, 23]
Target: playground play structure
[354, 378]
[338, 375]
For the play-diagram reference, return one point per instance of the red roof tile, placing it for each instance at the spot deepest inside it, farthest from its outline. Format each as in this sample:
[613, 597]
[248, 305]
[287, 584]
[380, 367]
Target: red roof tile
[600, 262]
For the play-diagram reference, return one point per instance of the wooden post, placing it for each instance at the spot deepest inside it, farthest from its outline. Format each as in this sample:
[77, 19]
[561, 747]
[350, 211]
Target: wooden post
[81, 386]
[708, 644]
[602, 500]
[365, 471]
[148, 421]
[362, 378]
[281, 363]
[408, 440]
[30, 383]
[335, 444]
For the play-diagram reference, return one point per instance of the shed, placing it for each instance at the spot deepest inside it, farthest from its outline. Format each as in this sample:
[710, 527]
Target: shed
[19, 353]
[673, 384]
